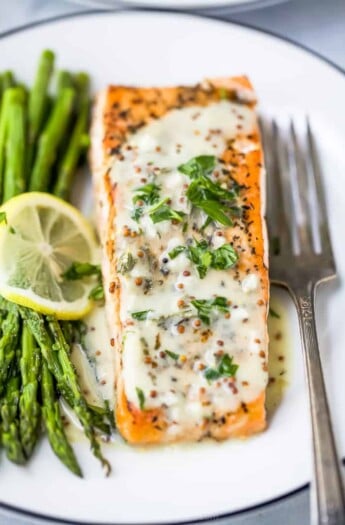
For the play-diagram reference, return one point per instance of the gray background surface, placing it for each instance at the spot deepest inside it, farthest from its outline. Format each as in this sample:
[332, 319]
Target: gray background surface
[316, 24]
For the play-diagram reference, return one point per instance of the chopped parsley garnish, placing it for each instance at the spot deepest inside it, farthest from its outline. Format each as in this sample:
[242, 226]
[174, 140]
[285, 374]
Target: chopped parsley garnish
[162, 212]
[144, 195]
[205, 258]
[199, 166]
[137, 213]
[225, 368]
[205, 307]
[176, 251]
[141, 316]
[97, 293]
[79, 270]
[218, 203]
[125, 263]
[224, 257]
[3, 217]
[172, 355]
[273, 313]
[141, 397]
[149, 194]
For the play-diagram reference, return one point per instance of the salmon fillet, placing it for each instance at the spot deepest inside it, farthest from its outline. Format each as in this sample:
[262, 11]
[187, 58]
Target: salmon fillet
[186, 282]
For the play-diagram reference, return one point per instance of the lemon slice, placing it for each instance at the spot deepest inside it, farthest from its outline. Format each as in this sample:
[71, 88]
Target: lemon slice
[40, 237]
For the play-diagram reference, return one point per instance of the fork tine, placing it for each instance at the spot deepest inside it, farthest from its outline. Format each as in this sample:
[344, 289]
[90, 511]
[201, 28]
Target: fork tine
[271, 207]
[283, 195]
[316, 174]
[300, 181]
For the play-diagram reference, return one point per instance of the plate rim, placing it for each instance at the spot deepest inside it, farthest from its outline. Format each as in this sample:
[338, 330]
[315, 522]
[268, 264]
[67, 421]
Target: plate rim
[43, 518]
[236, 6]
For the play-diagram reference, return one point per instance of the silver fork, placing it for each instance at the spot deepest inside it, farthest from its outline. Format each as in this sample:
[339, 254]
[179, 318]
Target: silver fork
[301, 258]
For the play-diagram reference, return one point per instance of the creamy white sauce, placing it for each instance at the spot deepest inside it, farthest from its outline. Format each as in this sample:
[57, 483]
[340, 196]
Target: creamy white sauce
[154, 154]
[96, 363]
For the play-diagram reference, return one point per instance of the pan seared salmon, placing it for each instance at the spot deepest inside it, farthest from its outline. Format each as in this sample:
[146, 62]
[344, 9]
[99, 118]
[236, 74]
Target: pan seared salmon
[179, 181]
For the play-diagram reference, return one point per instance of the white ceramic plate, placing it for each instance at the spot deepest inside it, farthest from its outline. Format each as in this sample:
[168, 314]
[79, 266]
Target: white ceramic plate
[233, 5]
[184, 483]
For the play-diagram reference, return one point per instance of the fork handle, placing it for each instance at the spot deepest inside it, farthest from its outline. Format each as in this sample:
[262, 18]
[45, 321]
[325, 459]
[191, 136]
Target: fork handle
[327, 494]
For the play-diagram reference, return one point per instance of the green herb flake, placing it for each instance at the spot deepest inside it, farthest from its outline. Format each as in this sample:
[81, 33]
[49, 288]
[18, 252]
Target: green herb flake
[137, 212]
[141, 316]
[198, 166]
[176, 251]
[125, 263]
[79, 270]
[205, 307]
[172, 355]
[224, 257]
[97, 293]
[149, 194]
[225, 368]
[205, 258]
[141, 397]
[162, 212]
[3, 217]
[144, 195]
[273, 313]
[218, 203]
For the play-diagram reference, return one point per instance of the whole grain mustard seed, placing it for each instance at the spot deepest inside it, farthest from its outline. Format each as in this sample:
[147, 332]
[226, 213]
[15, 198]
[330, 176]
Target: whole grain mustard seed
[181, 329]
[138, 281]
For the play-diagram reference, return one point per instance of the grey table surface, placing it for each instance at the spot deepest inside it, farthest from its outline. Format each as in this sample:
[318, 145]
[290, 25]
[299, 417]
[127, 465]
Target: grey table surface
[317, 24]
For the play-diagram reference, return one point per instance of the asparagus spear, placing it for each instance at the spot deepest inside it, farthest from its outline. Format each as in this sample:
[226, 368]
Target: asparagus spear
[56, 355]
[14, 172]
[38, 101]
[28, 403]
[64, 80]
[53, 423]
[79, 404]
[9, 419]
[78, 141]
[50, 139]
[8, 80]
[8, 345]
[10, 96]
